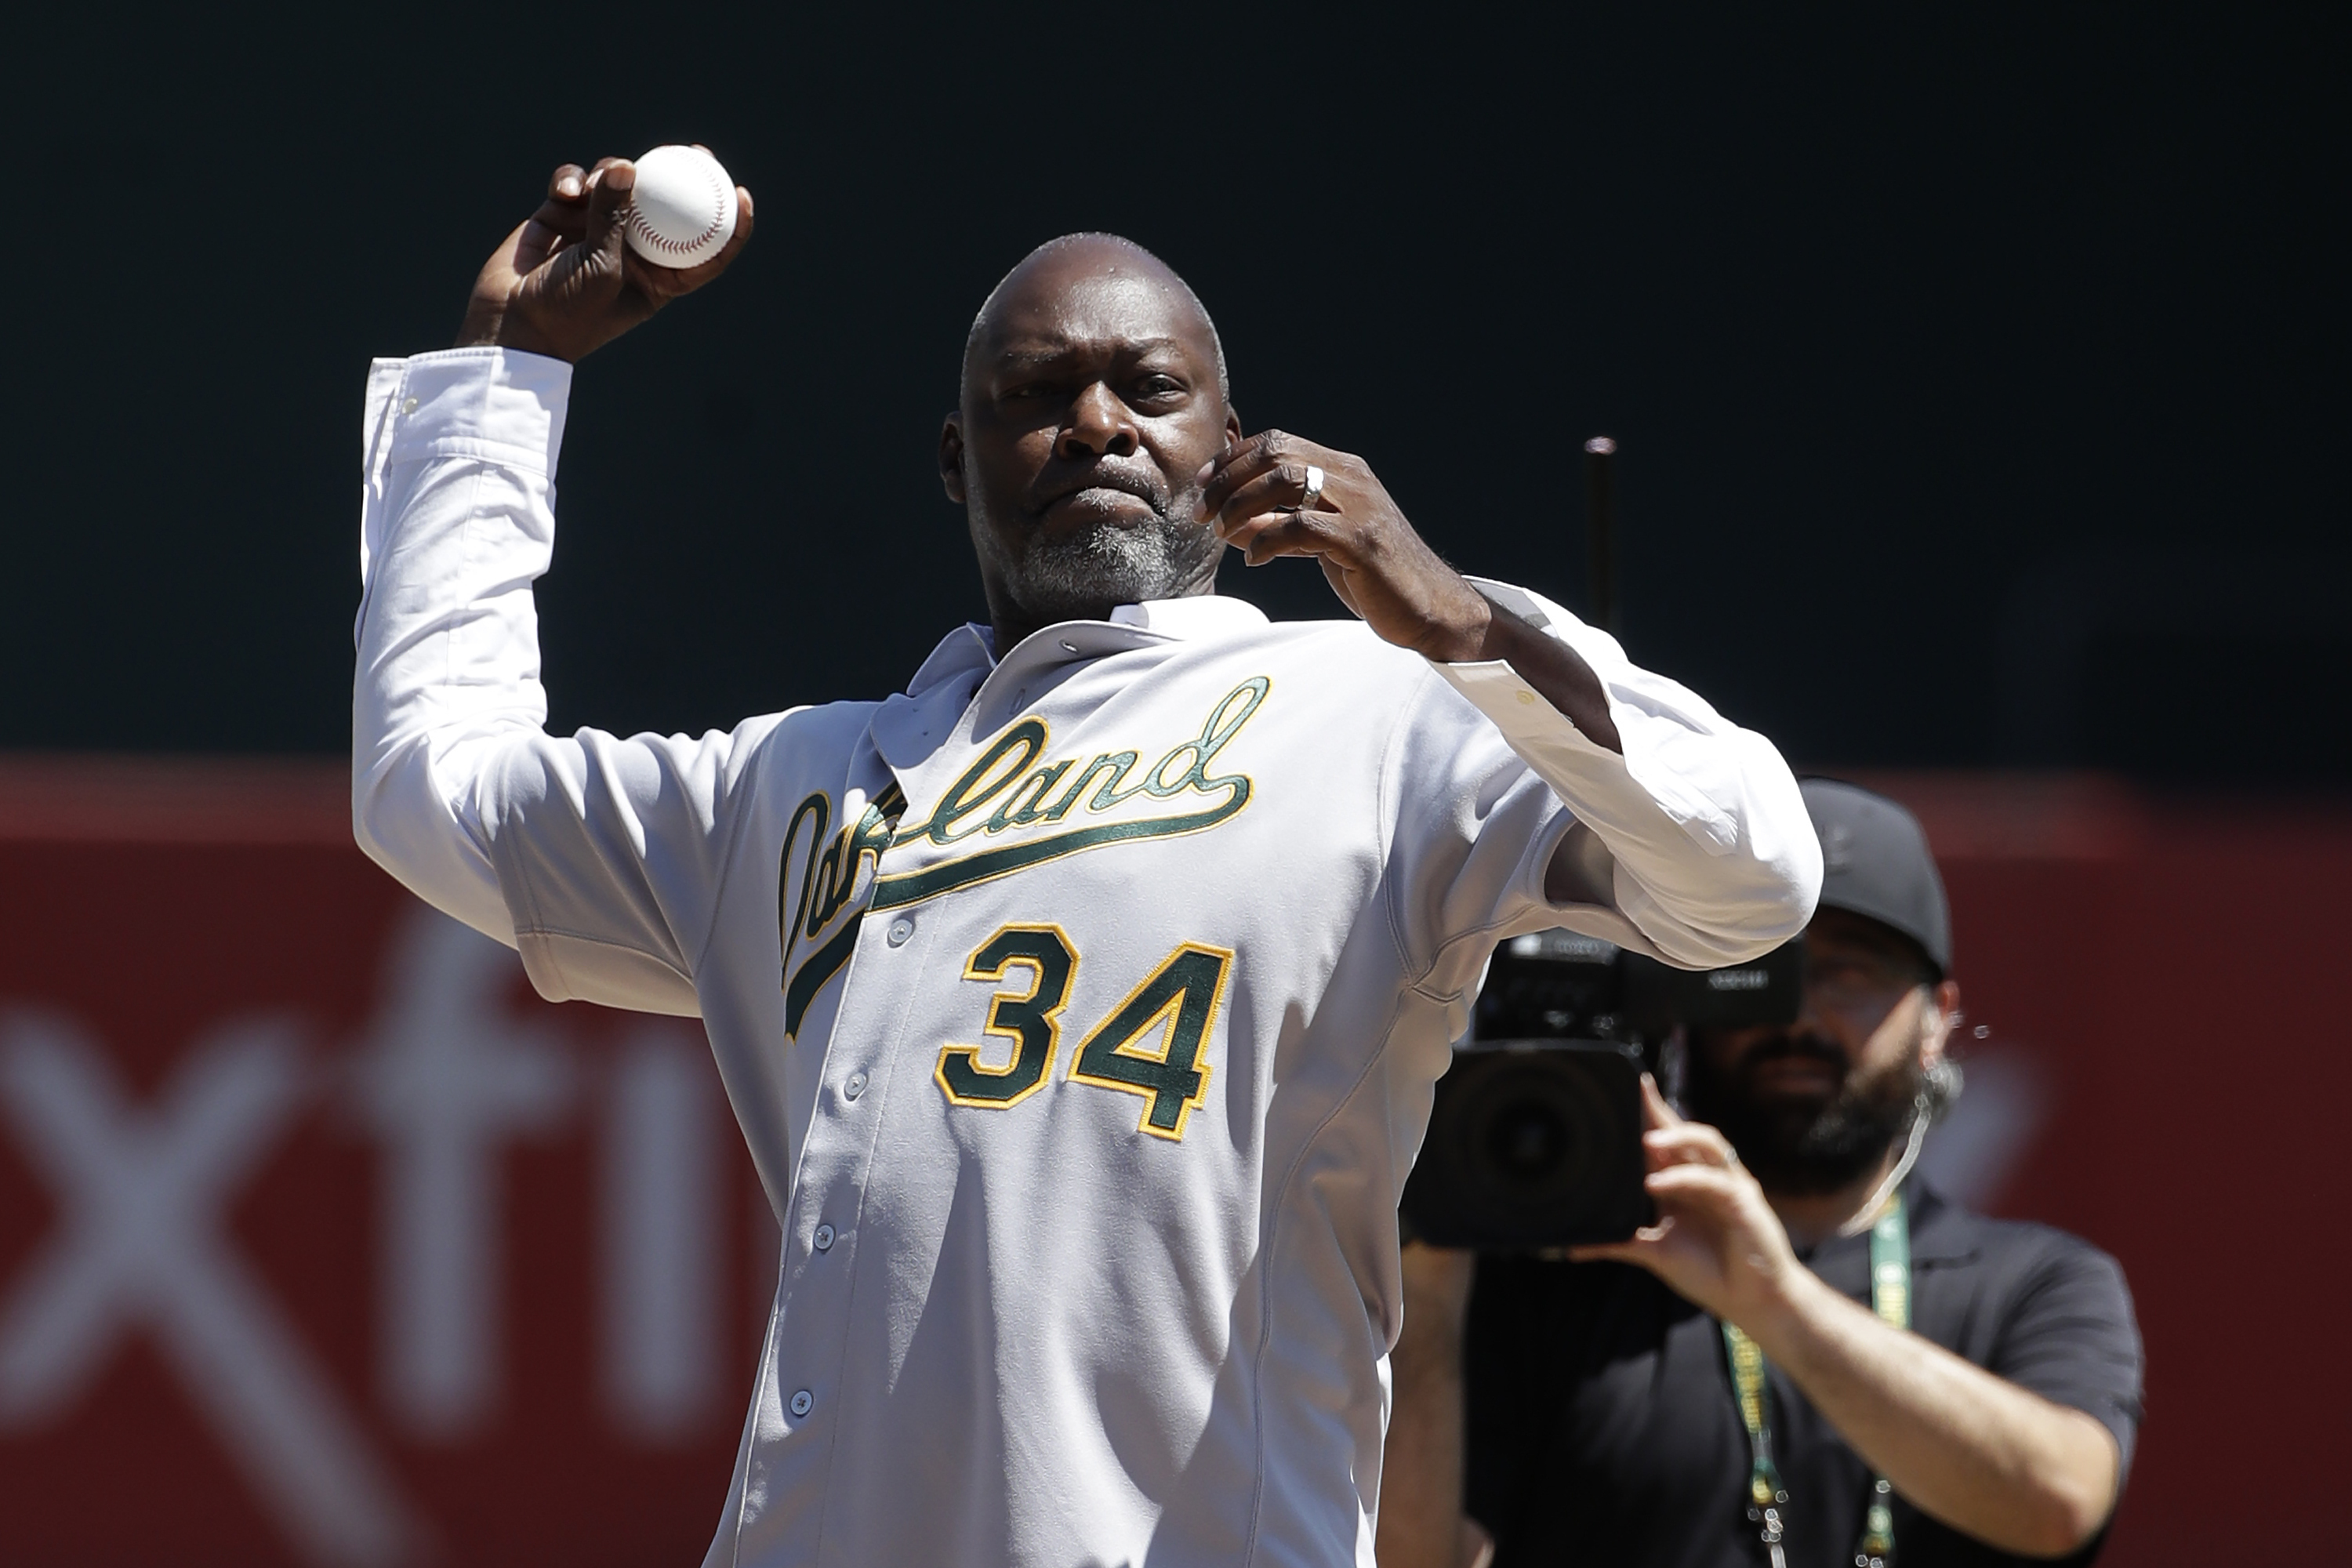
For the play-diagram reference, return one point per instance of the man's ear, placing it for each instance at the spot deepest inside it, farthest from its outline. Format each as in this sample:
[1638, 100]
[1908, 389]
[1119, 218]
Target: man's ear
[1946, 1001]
[1233, 429]
[951, 458]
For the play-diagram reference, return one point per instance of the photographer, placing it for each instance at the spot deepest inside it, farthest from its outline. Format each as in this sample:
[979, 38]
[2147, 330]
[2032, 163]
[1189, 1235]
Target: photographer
[1726, 1388]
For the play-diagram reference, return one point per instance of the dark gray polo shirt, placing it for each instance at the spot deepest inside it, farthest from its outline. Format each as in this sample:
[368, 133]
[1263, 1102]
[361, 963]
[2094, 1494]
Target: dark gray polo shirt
[1601, 1426]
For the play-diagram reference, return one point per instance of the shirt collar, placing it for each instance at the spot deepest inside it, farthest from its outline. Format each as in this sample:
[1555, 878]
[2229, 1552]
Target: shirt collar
[970, 648]
[1201, 615]
[1940, 1231]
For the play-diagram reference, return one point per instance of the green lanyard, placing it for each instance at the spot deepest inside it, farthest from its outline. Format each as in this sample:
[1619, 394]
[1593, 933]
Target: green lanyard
[1890, 1298]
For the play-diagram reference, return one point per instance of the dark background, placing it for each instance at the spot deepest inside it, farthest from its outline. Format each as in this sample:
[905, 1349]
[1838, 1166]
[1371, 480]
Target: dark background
[1979, 376]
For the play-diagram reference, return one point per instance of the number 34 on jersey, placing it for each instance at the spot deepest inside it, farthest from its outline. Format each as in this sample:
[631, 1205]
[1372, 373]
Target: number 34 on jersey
[1150, 1045]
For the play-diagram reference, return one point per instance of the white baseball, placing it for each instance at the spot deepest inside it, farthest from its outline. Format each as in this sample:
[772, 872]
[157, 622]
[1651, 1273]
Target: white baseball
[682, 212]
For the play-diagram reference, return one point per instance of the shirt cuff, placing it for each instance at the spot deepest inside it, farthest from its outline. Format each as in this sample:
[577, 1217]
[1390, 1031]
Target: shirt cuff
[1522, 713]
[1601, 785]
[493, 405]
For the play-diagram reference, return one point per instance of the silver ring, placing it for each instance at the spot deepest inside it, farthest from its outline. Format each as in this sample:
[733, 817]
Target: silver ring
[1314, 488]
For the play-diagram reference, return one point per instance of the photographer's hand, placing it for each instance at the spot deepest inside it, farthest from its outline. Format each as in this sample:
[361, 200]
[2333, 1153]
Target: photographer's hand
[1717, 1241]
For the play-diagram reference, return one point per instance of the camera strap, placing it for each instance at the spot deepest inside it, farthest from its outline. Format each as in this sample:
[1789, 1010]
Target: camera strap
[1890, 1298]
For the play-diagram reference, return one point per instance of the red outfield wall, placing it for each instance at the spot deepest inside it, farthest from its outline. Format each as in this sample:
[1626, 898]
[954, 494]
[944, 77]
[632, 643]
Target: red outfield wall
[323, 1241]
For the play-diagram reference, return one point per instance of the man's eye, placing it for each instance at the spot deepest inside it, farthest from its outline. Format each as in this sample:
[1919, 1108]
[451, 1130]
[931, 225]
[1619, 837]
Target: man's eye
[1159, 386]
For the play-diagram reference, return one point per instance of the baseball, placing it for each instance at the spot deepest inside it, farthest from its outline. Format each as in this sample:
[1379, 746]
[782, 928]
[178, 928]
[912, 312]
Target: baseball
[682, 212]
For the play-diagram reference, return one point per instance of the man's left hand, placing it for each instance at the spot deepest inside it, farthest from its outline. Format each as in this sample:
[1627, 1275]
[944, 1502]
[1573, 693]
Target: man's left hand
[1254, 495]
[1374, 560]
[1717, 1242]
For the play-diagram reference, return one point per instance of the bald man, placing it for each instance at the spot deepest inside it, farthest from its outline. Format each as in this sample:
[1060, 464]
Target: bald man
[1080, 1003]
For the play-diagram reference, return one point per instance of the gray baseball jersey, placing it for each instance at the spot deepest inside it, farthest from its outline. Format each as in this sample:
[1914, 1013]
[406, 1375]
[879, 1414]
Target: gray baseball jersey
[1081, 1007]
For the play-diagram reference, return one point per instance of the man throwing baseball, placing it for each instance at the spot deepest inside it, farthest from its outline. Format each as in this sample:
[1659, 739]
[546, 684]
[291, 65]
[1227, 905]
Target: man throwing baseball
[1081, 1003]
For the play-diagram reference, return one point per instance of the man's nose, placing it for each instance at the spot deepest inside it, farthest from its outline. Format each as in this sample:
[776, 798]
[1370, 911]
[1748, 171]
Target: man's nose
[1097, 426]
[1810, 1017]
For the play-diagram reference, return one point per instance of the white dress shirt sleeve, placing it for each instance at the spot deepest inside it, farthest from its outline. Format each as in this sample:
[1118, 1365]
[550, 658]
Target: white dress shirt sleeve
[1713, 858]
[456, 520]
[597, 857]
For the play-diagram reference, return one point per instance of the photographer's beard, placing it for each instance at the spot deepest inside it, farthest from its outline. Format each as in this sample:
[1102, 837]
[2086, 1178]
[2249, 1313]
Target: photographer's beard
[1804, 1146]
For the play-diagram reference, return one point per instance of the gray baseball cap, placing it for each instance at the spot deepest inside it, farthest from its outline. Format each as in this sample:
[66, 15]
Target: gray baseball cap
[1875, 862]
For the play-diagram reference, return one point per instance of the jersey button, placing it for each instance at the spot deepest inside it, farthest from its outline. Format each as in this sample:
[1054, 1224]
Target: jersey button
[802, 1401]
[825, 1238]
[854, 1087]
[900, 930]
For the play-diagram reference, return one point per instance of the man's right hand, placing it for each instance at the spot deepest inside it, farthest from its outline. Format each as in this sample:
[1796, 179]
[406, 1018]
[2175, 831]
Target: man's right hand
[1717, 1242]
[566, 282]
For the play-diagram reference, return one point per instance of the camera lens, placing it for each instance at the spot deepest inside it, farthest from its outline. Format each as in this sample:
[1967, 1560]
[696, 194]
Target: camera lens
[1532, 1144]
[1527, 1142]
[1533, 1128]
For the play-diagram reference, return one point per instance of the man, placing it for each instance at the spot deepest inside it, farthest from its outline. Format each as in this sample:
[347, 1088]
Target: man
[1082, 1003]
[1614, 1418]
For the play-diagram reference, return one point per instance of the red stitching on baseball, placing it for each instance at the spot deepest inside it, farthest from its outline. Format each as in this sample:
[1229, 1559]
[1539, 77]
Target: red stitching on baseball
[637, 225]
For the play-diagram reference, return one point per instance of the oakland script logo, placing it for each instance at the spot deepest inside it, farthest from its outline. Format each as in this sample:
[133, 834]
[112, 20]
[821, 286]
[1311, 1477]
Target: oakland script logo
[1018, 810]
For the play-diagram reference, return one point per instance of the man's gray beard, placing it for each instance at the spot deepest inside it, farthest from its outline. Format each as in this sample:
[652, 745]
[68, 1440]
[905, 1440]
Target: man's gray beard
[1085, 575]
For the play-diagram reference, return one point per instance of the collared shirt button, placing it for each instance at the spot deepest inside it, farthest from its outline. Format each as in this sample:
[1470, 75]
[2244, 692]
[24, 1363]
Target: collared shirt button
[854, 1087]
[1528, 697]
[825, 1238]
[900, 930]
[408, 407]
[803, 1402]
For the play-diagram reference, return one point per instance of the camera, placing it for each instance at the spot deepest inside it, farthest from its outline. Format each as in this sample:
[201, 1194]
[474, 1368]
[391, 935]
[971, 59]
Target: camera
[1535, 1139]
